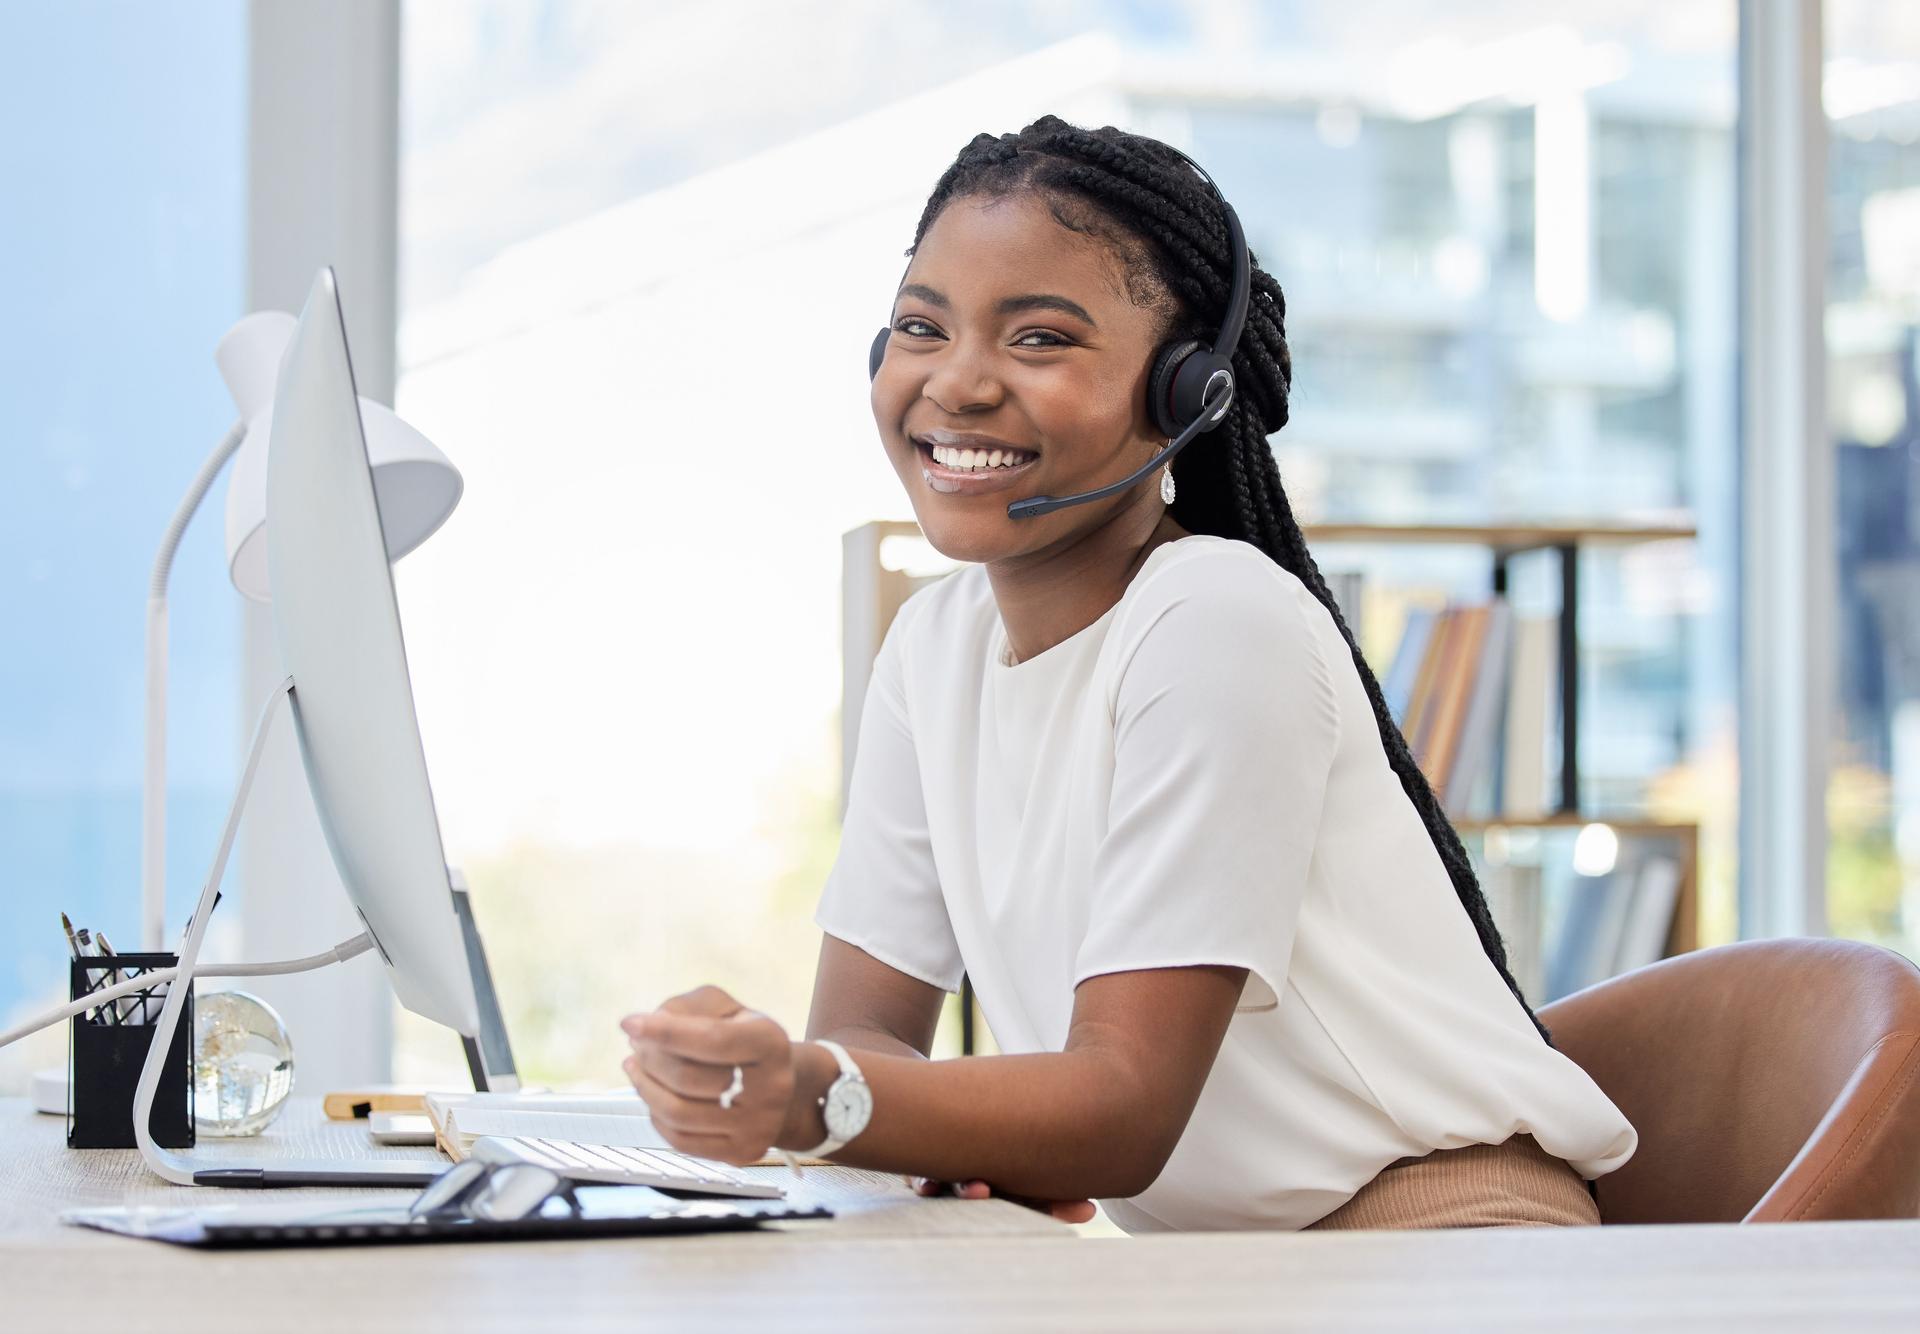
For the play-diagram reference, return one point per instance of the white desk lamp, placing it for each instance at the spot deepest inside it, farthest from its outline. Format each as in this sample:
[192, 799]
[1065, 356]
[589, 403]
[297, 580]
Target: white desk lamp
[415, 487]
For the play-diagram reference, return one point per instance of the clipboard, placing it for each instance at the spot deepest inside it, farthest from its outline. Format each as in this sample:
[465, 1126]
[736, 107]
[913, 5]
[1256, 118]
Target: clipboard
[604, 1211]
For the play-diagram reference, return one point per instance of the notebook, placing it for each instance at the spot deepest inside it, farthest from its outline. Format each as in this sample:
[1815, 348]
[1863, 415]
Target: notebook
[618, 1120]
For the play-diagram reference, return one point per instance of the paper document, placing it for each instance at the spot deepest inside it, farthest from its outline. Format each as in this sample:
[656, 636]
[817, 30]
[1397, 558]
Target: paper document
[618, 1120]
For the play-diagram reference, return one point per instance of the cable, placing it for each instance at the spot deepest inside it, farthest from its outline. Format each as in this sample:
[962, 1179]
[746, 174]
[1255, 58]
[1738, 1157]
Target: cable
[340, 953]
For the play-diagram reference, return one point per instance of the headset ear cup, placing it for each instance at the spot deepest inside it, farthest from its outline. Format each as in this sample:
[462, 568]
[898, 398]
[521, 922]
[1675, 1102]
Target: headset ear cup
[1190, 381]
[1160, 386]
[878, 352]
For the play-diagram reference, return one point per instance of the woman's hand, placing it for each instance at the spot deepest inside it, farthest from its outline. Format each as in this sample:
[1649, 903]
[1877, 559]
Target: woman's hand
[684, 1059]
[1067, 1211]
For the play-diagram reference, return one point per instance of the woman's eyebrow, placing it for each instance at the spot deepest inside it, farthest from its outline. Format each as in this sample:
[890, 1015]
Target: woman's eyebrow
[921, 292]
[1015, 305]
[1012, 305]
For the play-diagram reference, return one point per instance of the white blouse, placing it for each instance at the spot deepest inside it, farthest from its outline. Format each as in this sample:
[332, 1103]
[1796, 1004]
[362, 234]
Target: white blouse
[1195, 778]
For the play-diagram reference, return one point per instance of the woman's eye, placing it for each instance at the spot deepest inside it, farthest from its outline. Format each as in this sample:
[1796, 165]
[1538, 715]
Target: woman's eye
[1049, 338]
[912, 327]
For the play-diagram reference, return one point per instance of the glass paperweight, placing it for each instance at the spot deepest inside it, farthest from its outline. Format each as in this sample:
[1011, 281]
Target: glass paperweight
[242, 1064]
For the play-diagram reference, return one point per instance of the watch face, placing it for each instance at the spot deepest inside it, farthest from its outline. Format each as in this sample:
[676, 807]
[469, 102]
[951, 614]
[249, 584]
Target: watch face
[849, 1104]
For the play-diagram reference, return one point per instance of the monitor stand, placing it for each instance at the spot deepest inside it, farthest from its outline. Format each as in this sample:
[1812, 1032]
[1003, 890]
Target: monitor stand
[183, 1171]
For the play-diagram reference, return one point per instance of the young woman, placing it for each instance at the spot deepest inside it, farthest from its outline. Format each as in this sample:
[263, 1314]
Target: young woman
[1129, 772]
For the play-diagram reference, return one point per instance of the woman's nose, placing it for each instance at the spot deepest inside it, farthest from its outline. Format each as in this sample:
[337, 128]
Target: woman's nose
[963, 380]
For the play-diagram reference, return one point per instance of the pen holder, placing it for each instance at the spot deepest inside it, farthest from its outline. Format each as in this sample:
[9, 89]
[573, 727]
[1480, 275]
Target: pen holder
[107, 1049]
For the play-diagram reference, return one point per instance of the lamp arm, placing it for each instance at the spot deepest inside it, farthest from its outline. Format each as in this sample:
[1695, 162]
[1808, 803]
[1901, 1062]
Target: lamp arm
[189, 503]
[153, 805]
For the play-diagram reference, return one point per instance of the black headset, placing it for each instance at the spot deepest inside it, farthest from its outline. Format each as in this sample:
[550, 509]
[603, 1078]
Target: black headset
[1189, 388]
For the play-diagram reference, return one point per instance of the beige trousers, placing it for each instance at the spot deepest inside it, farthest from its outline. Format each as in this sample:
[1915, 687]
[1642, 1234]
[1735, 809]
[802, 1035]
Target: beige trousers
[1515, 1184]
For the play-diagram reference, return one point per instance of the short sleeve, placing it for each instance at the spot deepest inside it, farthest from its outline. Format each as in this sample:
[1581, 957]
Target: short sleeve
[883, 894]
[1225, 727]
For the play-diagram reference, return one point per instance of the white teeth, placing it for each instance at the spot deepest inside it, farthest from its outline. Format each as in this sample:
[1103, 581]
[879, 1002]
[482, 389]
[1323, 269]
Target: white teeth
[977, 459]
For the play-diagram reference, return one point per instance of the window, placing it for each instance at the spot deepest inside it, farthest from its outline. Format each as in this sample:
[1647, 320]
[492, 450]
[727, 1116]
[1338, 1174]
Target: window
[125, 163]
[1872, 96]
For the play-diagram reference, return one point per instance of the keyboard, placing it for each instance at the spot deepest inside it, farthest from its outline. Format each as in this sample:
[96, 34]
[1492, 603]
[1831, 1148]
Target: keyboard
[609, 1164]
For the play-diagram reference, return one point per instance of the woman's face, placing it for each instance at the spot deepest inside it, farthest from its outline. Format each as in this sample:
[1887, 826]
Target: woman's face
[1012, 333]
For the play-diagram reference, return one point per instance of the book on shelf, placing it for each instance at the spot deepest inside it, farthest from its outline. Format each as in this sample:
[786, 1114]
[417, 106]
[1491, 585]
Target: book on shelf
[1513, 898]
[1348, 589]
[1473, 770]
[1614, 923]
[1417, 726]
[1397, 687]
[1473, 689]
[1532, 706]
[1649, 916]
[1453, 683]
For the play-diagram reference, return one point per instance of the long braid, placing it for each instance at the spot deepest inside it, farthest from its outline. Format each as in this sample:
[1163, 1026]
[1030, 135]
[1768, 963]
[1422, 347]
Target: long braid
[1143, 198]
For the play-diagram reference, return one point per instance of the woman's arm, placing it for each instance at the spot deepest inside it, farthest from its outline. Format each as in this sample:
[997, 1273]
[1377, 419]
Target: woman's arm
[1098, 1119]
[864, 1004]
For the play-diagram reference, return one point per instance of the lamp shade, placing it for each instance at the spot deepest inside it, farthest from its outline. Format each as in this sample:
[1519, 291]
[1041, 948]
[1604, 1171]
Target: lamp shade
[415, 486]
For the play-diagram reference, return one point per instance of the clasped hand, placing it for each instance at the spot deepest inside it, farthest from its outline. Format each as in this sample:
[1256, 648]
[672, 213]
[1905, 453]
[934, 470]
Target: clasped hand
[683, 1064]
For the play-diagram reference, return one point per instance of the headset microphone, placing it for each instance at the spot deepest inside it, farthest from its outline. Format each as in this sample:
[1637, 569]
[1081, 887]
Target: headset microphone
[1189, 388]
[1215, 408]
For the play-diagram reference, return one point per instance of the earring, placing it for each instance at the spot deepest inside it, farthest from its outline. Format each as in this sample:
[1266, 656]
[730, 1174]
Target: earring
[1166, 485]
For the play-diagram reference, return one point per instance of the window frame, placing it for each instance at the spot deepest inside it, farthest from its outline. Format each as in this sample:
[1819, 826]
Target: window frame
[1788, 566]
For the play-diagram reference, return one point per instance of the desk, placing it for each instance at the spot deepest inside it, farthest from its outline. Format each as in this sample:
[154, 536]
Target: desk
[42, 1177]
[898, 1263]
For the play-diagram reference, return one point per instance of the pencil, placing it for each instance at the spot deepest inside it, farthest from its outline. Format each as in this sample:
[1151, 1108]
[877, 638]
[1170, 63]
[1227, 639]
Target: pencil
[122, 1008]
[84, 938]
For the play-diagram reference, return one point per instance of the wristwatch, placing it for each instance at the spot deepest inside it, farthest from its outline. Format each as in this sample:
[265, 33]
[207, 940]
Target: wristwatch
[846, 1106]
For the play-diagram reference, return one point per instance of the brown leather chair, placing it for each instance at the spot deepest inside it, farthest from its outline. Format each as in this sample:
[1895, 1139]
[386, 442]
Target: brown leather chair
[1772, 1080]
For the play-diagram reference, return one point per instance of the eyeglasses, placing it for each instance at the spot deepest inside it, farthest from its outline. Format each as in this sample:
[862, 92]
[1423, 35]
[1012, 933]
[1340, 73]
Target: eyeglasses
[493, 1192]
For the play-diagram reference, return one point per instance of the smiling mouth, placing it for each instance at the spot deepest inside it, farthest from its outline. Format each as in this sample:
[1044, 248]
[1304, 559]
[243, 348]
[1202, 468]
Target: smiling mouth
[956, 458]
[950, 470]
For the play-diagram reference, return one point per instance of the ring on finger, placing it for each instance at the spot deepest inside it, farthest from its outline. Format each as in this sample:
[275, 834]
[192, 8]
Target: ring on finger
[733, 1090]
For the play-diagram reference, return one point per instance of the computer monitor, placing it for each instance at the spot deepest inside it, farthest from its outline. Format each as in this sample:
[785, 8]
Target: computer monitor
[338, 626]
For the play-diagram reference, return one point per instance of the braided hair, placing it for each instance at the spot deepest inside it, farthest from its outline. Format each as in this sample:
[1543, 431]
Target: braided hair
[1146, 201]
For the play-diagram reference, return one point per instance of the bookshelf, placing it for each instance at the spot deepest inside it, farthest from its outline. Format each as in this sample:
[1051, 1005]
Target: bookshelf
[1505, 541]
[1566, 540]
[1683, 934]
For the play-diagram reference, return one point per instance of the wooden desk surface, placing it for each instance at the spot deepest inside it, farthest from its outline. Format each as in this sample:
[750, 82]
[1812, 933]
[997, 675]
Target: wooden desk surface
[40, 1177]
[896, 1263]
